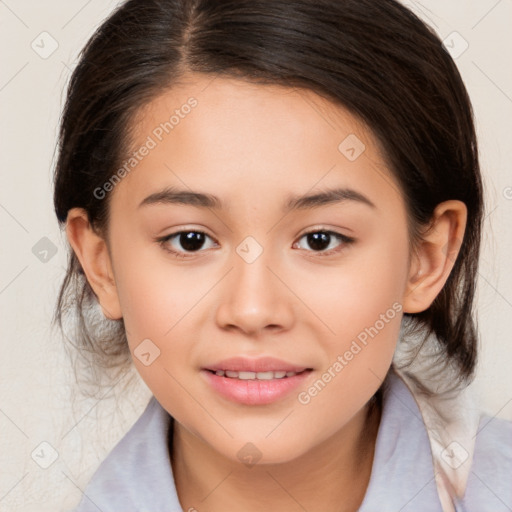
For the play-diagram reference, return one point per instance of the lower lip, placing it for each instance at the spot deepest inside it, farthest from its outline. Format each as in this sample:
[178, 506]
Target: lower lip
[253, 391]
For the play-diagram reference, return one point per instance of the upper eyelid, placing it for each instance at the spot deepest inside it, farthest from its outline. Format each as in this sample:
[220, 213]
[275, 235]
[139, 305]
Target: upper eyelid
[340, 236]
[308, 232]
[170, 236]
[181, 231]
[321, 230]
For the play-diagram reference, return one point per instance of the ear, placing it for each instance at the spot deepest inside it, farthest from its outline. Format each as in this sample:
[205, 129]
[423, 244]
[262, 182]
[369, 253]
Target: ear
[92, 251]
[435, 256]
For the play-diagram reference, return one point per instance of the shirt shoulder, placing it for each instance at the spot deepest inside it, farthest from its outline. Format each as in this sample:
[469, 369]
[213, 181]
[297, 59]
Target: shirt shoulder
[137, 467]
[489, 484]
[402, 476]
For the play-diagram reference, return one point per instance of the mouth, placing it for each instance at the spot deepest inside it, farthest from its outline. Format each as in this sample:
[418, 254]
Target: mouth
[267, 375]
[262, 368]
[255, 381]
[264, 387]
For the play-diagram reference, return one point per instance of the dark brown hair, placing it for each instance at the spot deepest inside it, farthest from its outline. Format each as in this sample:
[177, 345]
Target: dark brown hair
[373, 57]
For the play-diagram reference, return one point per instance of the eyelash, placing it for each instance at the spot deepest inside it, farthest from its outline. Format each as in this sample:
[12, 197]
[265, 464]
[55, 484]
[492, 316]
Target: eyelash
[343, 238]
[162, 241]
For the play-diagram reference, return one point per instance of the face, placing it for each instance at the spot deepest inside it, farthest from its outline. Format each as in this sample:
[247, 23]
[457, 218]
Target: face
[269, 263]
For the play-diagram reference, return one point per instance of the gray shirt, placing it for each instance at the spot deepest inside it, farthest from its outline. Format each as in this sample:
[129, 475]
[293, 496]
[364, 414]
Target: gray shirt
[137, 474]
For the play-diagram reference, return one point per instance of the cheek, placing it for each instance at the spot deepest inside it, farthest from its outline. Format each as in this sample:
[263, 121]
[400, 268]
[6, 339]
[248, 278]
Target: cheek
[154, 291]
[358, 307]
[156, 302]
[351, 296]
[363, 313]
[159, 301]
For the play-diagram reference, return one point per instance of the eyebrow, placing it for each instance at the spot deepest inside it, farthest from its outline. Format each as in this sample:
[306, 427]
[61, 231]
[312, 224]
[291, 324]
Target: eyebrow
[171, 195]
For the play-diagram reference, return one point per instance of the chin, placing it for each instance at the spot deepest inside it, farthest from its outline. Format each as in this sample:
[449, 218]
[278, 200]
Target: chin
[258, 450]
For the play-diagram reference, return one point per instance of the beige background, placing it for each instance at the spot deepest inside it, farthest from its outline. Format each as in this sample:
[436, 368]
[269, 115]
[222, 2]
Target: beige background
[37, 382]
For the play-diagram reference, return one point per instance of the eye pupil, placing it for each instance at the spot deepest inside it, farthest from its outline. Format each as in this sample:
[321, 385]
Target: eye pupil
[192, 240]
[319, 241]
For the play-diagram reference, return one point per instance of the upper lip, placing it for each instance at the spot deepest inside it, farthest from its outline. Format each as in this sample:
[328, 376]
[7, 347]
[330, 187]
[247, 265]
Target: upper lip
[260, 364]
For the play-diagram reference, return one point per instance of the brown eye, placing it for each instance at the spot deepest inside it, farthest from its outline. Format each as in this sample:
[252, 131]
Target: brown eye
[323, 241]
[184, 242]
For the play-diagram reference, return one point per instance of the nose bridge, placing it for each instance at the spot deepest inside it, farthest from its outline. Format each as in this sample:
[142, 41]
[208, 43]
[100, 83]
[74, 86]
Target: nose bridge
[253, 298]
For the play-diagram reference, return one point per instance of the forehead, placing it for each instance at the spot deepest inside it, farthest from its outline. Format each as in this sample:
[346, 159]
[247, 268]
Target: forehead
[226, 135]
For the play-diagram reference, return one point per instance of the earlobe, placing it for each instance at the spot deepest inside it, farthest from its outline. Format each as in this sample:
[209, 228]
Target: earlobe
[435, 256]
[92, 252]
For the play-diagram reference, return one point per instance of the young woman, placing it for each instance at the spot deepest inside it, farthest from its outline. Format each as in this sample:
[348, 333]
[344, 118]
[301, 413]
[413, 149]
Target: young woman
[277, 208]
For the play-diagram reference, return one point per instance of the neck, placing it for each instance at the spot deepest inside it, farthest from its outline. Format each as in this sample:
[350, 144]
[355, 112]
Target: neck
[332, 477]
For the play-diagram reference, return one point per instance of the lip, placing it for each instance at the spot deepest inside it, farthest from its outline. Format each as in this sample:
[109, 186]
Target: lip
[260, 364]
[254, 391]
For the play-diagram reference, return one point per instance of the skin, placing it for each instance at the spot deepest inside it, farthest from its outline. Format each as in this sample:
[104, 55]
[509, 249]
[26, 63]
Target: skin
[253, 146]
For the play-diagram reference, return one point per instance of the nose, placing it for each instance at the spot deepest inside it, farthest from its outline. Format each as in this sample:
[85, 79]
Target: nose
[254, 298]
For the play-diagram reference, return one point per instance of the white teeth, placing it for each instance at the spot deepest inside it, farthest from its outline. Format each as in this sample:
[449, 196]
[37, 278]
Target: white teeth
[254, 375]
[245, 375]
[265, 375]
